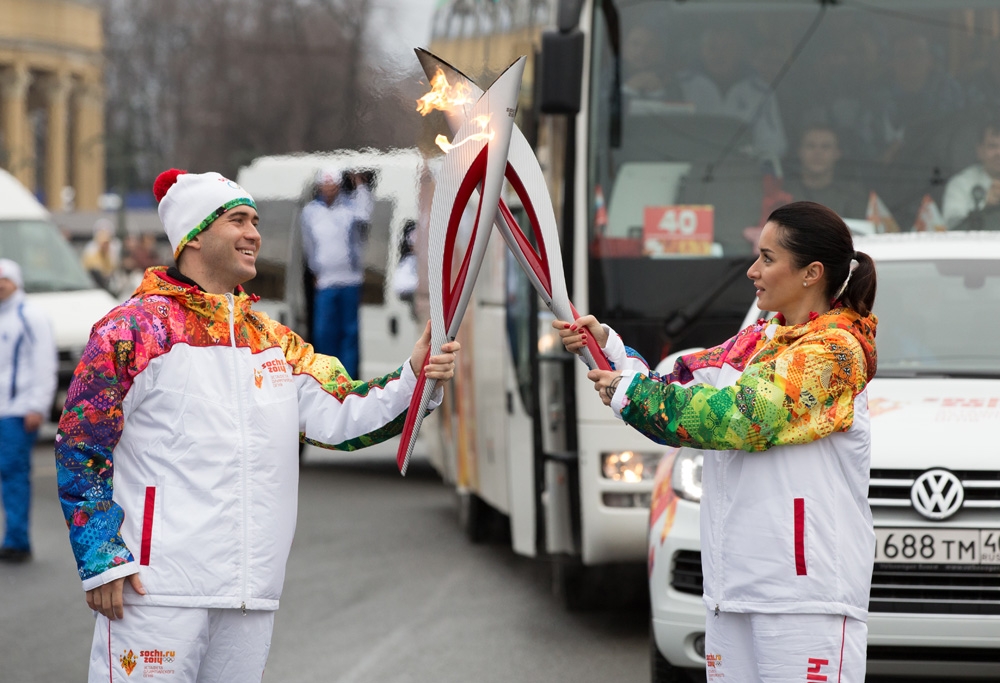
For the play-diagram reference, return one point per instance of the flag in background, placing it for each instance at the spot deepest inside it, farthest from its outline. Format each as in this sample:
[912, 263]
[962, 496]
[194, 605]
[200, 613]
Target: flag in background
[878, 213]
[929, 218]
[600, 211]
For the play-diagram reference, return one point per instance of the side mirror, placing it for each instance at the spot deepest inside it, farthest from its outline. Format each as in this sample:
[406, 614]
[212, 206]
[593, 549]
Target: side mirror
[561, 72]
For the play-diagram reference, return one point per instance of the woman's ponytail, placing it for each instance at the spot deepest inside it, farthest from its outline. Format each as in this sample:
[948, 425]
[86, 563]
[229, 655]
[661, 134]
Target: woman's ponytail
[859, 294]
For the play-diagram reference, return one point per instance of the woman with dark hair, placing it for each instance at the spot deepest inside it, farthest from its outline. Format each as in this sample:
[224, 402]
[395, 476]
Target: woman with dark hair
[781, 412]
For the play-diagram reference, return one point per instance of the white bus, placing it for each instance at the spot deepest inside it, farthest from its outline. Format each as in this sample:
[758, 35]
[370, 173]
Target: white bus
[667, 130]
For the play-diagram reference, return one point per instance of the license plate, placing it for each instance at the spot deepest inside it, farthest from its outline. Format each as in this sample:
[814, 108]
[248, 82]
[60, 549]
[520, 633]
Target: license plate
[937, 546]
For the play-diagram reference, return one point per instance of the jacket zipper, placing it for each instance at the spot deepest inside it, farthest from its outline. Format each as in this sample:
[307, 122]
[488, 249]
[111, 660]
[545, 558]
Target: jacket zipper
[243, 450]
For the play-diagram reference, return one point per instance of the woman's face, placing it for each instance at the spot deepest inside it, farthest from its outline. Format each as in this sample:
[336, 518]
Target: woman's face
[778, 280]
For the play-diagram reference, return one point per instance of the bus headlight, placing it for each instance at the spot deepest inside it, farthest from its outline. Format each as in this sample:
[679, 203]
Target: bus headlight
[629, 466]
[686, 477]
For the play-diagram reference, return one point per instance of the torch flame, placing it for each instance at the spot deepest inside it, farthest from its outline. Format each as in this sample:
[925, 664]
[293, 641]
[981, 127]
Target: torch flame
[486, 134]
[444, 96]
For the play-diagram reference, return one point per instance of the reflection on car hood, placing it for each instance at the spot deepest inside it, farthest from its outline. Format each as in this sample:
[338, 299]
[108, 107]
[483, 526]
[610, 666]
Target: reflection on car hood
[73, 313]
[939, 422]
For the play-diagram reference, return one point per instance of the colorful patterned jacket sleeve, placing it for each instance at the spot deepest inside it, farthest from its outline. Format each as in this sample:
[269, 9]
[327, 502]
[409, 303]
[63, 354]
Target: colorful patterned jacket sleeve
[362, 413]
[802, 394]
[89, 430]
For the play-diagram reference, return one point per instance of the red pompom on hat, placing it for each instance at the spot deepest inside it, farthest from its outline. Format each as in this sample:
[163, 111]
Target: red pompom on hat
[164, 182]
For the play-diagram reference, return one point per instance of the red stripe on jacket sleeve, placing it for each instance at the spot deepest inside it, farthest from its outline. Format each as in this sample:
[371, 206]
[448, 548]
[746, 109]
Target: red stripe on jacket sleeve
[147, 525]
[800, 536]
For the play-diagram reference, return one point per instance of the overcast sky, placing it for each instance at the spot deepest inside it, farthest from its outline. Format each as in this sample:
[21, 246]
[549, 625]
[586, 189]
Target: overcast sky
[401, 25]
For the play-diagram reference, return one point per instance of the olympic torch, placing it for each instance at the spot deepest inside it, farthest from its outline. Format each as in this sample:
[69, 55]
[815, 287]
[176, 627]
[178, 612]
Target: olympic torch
[543, 267]
[477, 157]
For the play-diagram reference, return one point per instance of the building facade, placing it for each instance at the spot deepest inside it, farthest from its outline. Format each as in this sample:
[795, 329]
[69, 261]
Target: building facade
[52, 99]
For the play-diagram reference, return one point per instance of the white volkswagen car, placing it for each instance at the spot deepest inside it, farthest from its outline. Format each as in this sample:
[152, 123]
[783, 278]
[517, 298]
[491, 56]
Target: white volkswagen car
[935, 475]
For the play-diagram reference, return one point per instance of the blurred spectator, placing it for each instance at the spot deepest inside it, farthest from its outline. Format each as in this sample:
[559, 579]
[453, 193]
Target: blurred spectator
[141, 252]
[334, 229]
[101, 256]
[919, 91]
[818, 152]
[842, 98]
[645, 74]
[977, 187]
[720, 86]
[28, 378]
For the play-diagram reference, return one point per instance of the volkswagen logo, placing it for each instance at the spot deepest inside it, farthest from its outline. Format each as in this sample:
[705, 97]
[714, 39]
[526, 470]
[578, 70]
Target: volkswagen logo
[937, 494]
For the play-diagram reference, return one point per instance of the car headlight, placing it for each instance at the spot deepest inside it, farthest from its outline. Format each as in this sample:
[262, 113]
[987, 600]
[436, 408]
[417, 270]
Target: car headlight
[629, 466]
[686, 477]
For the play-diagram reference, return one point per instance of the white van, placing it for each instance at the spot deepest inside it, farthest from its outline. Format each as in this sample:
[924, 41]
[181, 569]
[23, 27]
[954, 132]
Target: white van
[934, 403]
[54, 280]
[281, 186]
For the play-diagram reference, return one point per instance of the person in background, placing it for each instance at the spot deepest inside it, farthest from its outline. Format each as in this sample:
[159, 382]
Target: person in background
[645, 77]
[177, 452]
[819, 152]
[781, 412]
[720, 85]
[977, 187]
[28, 381]
[919, 91]
[102, 256]
[334, 229]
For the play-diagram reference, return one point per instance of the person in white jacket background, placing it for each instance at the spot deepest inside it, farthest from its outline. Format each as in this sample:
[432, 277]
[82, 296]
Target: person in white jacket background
[177, 452]
[781, 413]
[27, 387]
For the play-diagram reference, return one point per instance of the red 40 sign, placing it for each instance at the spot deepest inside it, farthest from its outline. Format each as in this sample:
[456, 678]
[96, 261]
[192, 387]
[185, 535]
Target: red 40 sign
[678, 229]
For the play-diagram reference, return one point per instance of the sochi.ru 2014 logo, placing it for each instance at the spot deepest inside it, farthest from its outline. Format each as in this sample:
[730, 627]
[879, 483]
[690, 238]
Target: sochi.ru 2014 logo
[128, 662]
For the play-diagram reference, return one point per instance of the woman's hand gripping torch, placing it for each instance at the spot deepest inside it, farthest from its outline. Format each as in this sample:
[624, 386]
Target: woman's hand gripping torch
[477, 157]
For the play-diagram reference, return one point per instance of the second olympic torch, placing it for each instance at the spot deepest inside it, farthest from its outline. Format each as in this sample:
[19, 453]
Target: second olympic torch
[543, 266]
[475, 159]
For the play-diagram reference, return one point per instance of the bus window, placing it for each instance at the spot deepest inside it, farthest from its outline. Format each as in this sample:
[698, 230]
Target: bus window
[726, 110]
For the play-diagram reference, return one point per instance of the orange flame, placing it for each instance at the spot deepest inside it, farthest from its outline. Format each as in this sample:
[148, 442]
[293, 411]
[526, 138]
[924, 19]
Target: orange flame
[444, 96]
[486, 134]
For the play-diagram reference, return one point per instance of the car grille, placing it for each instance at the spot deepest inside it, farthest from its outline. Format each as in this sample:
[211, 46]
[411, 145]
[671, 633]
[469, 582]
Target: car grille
[686, 575]
[896, 589]
[935, 589]
[891, 488]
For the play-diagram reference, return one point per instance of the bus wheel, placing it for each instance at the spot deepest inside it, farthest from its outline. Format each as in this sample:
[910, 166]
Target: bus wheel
[474, 517]
[663, 671]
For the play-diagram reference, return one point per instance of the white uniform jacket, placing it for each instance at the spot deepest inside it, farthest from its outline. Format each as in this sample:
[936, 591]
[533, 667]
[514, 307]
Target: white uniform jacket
[177, 453]
[781, 413]
[27, 358]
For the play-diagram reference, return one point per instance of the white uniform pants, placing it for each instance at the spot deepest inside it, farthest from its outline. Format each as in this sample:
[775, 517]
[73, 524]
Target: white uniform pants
[181, 645]
[775, 648]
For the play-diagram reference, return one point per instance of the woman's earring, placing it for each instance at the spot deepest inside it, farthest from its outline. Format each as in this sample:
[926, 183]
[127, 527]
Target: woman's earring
[805, 284]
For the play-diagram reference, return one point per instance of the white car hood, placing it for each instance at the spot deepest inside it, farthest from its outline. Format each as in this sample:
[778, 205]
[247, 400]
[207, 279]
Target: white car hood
[921, 423]
[73, 314]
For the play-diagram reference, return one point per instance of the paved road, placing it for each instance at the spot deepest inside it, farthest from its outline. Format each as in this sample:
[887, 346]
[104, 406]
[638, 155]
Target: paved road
[381, 586]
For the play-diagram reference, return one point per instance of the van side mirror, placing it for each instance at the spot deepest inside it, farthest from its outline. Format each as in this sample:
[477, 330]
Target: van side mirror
[561, 73]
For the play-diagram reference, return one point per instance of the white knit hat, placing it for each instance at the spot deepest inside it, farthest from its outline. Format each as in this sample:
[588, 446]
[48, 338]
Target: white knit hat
[9, 270]
[329, 174]
[190, 202]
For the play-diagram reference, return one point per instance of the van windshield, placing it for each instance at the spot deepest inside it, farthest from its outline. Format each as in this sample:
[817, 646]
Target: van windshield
[47, 261]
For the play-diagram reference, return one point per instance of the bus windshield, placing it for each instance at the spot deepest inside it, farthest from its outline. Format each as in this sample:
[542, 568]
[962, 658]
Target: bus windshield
[705, 116]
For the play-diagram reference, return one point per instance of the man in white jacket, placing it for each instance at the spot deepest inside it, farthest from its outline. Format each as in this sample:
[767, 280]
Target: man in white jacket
[27, 386]
[177, 454]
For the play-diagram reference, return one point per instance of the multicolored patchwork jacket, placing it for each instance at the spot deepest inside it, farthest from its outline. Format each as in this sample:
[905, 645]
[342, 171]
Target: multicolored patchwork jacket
[781, 413]
[177, 453]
